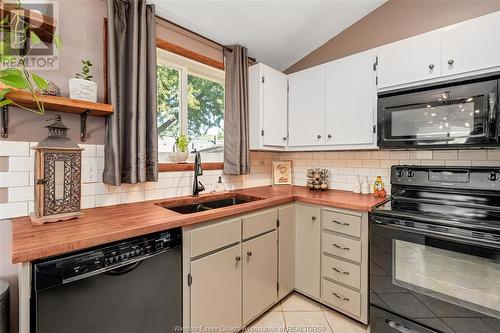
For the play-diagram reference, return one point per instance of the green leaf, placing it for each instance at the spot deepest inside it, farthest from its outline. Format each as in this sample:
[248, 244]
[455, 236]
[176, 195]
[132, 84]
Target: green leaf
[40, 82]
[57, 41]
[11, 71]
[6, 102]
[14, 81]
[3, 92]
[34, 39]
[5, 20]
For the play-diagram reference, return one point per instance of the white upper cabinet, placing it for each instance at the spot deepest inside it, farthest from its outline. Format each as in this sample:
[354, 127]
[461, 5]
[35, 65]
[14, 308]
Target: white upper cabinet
[350, 99]
[471, 45]
[409, 60]
[466, 48]
[306, 107]
[268, 107]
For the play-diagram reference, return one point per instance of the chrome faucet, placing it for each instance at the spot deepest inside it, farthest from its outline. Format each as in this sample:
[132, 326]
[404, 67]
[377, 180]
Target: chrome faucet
[198, 171]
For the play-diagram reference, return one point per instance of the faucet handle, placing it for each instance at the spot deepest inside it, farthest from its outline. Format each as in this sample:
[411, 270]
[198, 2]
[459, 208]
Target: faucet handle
[201, 187]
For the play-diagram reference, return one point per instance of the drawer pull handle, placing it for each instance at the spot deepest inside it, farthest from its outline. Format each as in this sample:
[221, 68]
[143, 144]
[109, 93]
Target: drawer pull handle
[340, 247]
[341, 223]
[339, 271]
[342, 298]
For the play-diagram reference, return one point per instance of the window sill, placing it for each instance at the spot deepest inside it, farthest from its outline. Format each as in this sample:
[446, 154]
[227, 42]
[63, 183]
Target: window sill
[172, 167]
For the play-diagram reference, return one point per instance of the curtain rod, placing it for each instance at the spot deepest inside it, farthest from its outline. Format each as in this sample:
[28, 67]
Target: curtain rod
[201, 36]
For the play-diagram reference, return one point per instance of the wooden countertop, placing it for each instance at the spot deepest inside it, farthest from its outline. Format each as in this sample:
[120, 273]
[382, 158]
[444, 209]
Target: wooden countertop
[112, 223]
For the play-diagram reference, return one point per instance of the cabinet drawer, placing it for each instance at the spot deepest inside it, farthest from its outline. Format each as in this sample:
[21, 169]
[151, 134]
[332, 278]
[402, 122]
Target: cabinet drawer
[259, 223]
[342, 247]
[342, 223]
[341, 297]
[214, 236]
[341, 271]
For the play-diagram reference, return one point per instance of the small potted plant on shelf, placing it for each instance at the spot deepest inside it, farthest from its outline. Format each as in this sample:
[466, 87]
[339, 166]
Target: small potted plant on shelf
[181, 152]
[81, 87]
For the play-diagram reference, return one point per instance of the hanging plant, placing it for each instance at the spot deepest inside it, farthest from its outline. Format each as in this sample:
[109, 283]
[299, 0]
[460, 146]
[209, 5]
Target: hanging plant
[14, 30]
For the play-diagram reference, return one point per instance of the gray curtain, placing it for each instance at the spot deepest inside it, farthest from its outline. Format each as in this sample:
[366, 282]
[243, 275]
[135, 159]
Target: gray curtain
[131, 153]
[236, 131]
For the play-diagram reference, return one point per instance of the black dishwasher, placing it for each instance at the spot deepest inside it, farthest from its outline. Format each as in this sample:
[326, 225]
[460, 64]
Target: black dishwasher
[130, 286]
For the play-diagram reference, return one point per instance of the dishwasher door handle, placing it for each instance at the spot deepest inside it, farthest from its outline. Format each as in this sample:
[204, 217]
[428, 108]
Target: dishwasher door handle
[124, 269]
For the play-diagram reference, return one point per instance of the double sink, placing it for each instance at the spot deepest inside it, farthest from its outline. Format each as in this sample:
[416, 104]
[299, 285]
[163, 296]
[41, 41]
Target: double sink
[210, 202]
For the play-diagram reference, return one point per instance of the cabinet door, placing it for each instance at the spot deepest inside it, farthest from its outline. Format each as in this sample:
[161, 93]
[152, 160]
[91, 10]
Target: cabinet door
[409, 60]
[350, 100]
[275, 107]
[286, 251]
[216, 289]
[306, 107]
[471, 45]
[260, 275]
[307, 250]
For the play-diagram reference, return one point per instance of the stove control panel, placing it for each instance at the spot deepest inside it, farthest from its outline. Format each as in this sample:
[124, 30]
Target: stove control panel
[479, 178]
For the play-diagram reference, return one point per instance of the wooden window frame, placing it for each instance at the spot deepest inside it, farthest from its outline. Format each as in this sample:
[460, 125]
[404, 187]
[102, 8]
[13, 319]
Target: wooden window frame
[170, 47]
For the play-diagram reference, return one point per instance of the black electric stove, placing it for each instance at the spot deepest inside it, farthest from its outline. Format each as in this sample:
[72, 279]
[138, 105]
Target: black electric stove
[435, 252]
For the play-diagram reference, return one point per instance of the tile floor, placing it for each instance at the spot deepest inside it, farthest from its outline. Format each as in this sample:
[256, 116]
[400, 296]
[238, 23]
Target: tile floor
[297, 313]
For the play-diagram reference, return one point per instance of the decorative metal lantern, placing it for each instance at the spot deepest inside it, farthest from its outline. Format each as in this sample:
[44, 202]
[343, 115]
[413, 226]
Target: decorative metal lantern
[57, 176]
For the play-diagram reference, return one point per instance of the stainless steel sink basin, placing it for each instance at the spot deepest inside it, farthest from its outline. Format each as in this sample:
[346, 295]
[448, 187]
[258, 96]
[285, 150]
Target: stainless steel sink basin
[196, 205]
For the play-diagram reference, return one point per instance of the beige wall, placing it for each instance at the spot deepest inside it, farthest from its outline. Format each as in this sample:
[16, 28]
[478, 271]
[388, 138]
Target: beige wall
[80, 27]
[395, 20]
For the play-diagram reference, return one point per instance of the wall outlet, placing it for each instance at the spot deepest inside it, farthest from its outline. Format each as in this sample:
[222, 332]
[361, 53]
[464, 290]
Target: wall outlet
[89, 170]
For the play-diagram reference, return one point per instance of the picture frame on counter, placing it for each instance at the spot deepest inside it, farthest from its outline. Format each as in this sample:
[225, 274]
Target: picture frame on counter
[282, 172]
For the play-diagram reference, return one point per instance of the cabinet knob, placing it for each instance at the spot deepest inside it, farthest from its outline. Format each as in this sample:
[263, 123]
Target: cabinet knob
[329, 136]
[249, 253]
[319, 136]
[313, 218]
[284, 138]
[431, 66]
[238, 258]
[451, 61]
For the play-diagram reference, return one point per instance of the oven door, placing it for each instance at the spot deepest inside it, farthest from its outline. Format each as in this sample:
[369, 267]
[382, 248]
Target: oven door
[436, 281]
[443, 117]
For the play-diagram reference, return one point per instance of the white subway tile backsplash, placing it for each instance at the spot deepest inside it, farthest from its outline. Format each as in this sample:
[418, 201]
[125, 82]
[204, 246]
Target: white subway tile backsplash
[17, 194]
[14, 148]
[13, 179]
[371, 163]
[88, 201]
[445, 154]
[108, 199]
[154, 194]
[421, 155]
[399, 155]
[88, 150]
[13, 209]
[493, 154]
[129, 197]
[362, 155]
[21, 163]
[458, 162]
[472, 154]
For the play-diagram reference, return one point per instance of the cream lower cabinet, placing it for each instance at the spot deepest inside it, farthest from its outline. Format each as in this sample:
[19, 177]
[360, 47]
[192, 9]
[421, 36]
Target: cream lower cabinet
[231, 269]
[260, 274]
[307, 250]
[286, 250]
[216, 289]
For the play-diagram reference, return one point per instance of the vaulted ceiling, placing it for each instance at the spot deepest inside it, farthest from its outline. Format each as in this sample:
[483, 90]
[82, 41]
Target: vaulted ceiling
[276, 32]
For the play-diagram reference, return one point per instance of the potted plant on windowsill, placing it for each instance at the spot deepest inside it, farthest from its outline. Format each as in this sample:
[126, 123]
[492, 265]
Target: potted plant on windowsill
[81, 87]
[181, 152]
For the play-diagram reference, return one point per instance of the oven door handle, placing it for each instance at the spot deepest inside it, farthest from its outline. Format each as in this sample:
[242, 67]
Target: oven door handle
[398, 327]
[455, 238]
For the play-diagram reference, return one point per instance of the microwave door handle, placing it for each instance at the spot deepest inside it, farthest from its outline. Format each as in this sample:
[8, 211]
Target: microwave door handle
[492, 103]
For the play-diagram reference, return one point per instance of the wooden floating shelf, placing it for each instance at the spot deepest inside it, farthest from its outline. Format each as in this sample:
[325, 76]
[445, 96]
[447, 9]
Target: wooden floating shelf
[59, 104]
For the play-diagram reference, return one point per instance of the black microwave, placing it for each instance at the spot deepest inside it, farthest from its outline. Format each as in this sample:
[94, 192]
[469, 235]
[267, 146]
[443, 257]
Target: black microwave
[454, 115]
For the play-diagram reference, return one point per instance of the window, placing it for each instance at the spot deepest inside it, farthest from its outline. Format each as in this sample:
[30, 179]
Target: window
[190, 101]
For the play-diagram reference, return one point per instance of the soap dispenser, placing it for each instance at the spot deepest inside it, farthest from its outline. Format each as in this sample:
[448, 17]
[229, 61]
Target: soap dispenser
[219, 186]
